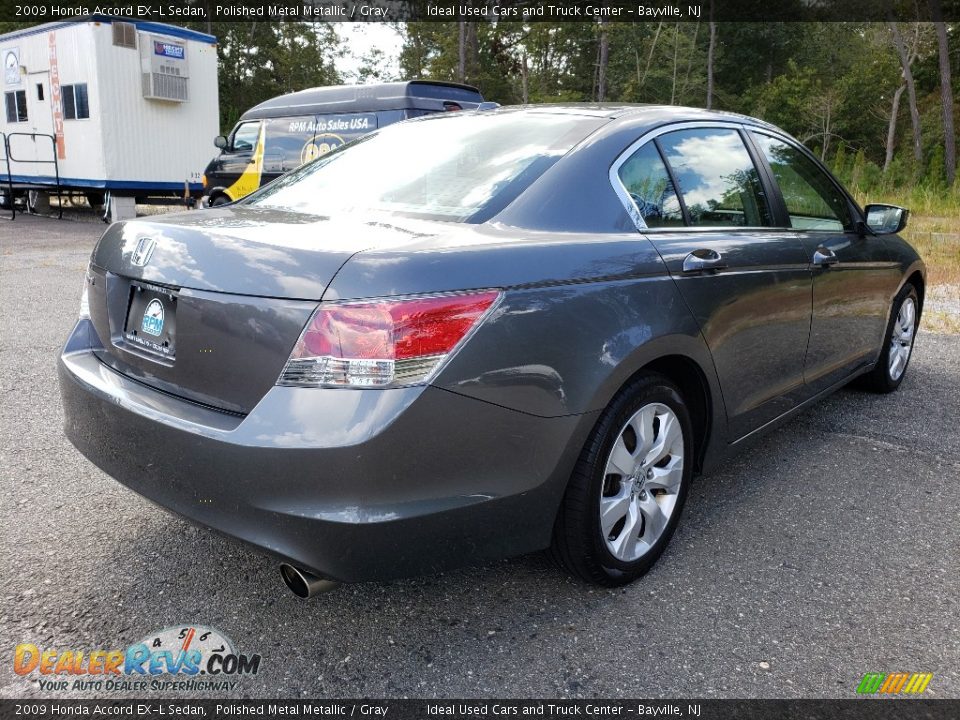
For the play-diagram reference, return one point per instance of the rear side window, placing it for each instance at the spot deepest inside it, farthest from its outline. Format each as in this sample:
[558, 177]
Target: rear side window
[719, 183]
[646, 179]
[813, 200]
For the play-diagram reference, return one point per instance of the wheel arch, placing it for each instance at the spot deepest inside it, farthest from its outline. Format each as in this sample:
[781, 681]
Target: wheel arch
[917, 280]
[218, 192]
[690, 367]
[689, 377]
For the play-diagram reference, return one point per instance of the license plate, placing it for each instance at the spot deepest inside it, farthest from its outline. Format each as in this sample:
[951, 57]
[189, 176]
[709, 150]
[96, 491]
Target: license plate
[152, 321]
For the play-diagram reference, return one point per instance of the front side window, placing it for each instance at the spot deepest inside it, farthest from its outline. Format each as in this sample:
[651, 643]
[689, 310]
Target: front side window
[646, 180]
[719, 183]
[813, 201]
[75, 103]
[245, 136]
[16, 102]
[448, 167]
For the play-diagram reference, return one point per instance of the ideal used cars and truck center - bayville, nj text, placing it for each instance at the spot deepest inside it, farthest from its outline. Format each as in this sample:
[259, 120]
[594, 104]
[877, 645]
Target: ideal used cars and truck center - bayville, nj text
[370, 11]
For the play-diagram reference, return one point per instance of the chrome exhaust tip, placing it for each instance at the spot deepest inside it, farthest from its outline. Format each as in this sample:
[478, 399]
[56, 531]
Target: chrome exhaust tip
[305, 584]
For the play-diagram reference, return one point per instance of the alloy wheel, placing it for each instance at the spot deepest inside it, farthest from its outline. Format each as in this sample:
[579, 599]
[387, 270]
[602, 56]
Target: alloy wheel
[642, 478]
[901, 338]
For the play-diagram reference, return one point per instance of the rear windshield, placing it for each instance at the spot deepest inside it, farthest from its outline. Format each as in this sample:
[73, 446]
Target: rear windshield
[457, 167]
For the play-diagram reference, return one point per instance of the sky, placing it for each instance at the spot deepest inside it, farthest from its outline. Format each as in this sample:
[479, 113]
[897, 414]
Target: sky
[361, 37]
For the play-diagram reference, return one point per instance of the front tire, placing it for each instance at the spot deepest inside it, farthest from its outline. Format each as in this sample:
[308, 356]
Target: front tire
[628, 487]
[897, 347]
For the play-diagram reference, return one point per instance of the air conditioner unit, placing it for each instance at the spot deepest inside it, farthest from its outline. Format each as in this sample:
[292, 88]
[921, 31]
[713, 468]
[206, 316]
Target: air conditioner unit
[164, 67]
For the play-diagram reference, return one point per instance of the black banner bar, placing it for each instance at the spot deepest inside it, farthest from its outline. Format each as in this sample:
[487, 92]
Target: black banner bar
[873, 709]
[628, 11]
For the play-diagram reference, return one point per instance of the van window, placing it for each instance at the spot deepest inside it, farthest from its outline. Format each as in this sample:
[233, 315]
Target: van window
[16, 102]
[288, 143]
[245, 136]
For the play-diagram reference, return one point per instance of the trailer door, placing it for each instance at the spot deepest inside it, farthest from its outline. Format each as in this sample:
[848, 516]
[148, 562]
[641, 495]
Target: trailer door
[40, 120]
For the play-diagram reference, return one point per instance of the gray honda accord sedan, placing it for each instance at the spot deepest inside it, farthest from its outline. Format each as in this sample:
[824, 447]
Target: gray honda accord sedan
[483, 334]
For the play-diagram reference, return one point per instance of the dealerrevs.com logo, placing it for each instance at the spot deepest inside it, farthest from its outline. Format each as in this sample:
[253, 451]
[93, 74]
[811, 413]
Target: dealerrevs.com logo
[894, 683]
[190, 658]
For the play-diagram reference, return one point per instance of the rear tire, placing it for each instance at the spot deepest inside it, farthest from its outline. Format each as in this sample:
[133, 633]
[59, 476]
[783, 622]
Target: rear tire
[897, 347]
[628, 487]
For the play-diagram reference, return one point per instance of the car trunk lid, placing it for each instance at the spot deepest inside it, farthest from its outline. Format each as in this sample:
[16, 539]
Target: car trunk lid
[208, 305]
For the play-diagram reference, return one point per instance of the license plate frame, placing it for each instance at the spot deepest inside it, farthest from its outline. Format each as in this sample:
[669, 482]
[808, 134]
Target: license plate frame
[151, 323]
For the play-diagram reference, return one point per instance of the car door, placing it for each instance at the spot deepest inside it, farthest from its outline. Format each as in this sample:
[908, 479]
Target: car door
[853, 278]
[745, 280]
[239, 165]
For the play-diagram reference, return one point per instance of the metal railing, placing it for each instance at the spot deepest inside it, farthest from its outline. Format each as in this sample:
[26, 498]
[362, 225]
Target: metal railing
[8, 158]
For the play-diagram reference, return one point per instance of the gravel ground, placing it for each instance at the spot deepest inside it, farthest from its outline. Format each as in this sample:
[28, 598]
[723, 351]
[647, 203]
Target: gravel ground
[829, 550]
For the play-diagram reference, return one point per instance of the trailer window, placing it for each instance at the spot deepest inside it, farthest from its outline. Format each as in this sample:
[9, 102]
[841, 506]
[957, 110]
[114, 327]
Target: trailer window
[16, 102]
[75, 104]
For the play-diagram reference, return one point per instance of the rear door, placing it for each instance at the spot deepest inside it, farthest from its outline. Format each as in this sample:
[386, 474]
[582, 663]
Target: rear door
[853, 279]
[747, 281]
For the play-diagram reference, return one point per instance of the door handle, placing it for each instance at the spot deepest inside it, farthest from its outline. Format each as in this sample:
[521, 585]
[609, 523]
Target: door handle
[825, 257]
[703, 259]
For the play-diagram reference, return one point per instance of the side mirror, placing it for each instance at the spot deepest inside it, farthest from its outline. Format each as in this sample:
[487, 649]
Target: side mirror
[220, 141]
[886, 219]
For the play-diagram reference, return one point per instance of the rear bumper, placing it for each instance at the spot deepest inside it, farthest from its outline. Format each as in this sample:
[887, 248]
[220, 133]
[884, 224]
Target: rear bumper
[351, 484]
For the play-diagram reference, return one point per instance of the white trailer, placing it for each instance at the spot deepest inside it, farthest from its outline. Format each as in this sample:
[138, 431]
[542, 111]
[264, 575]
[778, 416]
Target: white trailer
[117, 108]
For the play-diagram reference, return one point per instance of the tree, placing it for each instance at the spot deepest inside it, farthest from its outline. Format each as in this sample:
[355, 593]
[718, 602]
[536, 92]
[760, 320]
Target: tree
[946, 94]
[906, 60]
[603, 61]
[710, 54]
[373, 68]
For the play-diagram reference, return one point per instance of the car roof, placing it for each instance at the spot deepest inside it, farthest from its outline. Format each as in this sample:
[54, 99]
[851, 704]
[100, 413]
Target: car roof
[638, 112]
[412, 94]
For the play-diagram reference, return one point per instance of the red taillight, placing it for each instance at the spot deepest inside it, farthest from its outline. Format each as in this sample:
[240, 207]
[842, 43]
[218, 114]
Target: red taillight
[384, 342]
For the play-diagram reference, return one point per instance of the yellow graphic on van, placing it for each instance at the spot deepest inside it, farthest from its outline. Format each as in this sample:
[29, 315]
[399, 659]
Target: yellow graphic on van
[249, 179]
[320, 145]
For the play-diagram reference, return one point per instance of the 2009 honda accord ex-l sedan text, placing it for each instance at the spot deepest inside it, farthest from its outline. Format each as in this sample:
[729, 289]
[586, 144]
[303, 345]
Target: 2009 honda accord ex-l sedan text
[483, 334]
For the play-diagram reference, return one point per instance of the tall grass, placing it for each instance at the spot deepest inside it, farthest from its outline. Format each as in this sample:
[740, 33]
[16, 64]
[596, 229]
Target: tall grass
[933, 228]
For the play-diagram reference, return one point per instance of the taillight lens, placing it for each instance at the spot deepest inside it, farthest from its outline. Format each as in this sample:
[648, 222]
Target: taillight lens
[383, 343]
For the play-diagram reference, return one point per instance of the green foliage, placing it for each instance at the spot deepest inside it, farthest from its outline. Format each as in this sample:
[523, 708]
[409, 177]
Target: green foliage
[829, 84]
[259, 60]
